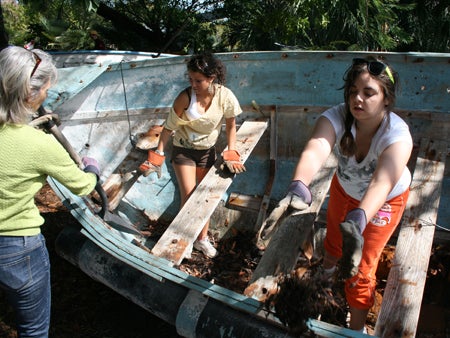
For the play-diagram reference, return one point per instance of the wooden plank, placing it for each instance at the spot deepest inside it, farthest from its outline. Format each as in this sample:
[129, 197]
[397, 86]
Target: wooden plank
[402, 298]
[272, 171]
[187, 225]
[123, 178]
[293, 234]
[127, 173]
[244, 202]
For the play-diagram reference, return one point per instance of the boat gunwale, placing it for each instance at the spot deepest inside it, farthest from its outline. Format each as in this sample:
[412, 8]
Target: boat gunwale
[153, 266]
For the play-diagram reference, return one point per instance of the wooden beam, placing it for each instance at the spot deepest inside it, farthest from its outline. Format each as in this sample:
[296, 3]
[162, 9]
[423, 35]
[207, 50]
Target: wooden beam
[123, 178]
[272, 170]
[244, 202]
[187, 225]
[293, 234]
[402, 297]
[127, 173]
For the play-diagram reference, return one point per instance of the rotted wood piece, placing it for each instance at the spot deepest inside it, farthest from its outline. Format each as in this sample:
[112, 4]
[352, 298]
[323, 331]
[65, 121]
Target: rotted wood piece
[123, 178]
[127, 173]
[244, 202]
[403, 295]
[319, 188]
[177, 240]
[294, 235]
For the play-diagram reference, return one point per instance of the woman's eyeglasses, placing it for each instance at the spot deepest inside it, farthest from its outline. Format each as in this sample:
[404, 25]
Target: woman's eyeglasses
[37, 61]
[375, 67]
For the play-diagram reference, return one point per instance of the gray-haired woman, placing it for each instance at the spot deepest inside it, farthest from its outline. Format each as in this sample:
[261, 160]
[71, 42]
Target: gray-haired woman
[28, 156]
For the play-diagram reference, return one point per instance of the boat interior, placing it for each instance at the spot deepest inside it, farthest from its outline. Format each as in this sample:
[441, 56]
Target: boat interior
[111, 114]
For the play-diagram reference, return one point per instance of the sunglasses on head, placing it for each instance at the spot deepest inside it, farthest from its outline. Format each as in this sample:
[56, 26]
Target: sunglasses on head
[37, 61]
[375, 67]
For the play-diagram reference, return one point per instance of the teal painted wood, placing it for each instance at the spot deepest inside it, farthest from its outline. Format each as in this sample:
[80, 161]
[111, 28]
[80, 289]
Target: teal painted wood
[323, 329]
[121, 247]
[91, 103]
[65, 59]
[71, 82]
[96, 95]
[281, 78]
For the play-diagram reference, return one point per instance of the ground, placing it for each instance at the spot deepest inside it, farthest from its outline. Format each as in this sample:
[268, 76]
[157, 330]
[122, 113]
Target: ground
[82, 307]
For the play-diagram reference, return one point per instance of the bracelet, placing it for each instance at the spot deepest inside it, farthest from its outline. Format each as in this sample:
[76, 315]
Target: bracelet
[159, 152]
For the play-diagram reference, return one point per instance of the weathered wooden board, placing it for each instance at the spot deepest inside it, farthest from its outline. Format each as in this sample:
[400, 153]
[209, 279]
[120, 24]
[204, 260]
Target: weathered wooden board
[293, 233]
[272, 169]
[123, 178]
[402, 298]
[187, 225]
[244, 202]
[127, 173]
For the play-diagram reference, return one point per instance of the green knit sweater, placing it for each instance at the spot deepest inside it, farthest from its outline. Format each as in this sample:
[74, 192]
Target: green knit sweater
[27, 157]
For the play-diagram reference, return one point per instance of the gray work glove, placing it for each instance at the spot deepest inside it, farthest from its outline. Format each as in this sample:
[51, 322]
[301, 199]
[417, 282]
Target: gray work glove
[91, 166]
[352, 242]
[297, 198]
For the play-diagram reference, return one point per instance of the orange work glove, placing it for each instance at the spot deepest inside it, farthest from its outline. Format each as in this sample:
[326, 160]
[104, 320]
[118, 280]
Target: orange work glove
[153, 164]
[232, 160]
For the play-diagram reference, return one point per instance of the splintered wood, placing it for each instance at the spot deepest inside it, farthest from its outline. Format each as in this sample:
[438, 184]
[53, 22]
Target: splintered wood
[404, 290]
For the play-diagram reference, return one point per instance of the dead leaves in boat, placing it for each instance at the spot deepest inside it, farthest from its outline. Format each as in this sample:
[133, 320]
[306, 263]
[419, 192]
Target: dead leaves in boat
[303, 295]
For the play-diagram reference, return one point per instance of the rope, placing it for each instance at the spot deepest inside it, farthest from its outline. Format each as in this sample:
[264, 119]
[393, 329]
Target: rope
[428, 223]
[132, 139]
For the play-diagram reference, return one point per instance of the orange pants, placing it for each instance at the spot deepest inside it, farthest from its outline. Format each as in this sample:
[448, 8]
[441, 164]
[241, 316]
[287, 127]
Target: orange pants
[359, 290]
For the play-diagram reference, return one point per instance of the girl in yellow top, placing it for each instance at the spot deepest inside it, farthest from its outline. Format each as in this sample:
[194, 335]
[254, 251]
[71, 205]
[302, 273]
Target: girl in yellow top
[195, 121]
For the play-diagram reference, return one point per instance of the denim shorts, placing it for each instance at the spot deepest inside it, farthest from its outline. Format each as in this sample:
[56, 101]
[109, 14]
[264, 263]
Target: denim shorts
[25, 279]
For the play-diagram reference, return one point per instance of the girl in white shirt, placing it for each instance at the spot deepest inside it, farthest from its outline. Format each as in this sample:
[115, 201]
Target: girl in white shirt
[369, 191]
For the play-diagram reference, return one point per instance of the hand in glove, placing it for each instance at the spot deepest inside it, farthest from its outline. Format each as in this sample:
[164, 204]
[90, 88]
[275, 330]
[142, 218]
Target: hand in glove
[153, 164]
[91, 166]
[42, 121]
[352, 242]
[232, 160]
[298, 198]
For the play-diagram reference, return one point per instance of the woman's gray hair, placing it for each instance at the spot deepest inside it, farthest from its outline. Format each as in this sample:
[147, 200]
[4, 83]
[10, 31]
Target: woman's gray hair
[22, 75]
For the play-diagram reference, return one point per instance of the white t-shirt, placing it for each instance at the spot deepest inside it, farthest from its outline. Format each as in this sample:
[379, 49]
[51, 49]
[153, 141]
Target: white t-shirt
[355, 177]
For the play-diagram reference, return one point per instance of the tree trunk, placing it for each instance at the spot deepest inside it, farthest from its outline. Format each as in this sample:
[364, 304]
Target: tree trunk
[137, 36]
[3, 35]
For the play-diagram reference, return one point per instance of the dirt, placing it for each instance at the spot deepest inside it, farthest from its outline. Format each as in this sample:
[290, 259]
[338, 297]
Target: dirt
[82, 307]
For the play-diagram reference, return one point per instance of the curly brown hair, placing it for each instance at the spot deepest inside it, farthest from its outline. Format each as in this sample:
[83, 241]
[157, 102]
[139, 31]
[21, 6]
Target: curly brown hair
[208, 65]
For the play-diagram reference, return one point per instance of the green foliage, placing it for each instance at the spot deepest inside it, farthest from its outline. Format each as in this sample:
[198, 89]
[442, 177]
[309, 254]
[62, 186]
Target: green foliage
[261, 25]
[16, 26]
[428, 24]
[59, 24]
[189, 26]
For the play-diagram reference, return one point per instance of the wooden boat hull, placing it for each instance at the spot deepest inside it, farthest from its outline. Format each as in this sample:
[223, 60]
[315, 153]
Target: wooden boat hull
[105, 107]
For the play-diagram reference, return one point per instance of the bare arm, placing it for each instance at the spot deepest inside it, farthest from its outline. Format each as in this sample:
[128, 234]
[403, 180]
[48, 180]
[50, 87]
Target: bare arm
[391, 164]
[181, 103]
[230, 127]
[316, 151]
[163, 139]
